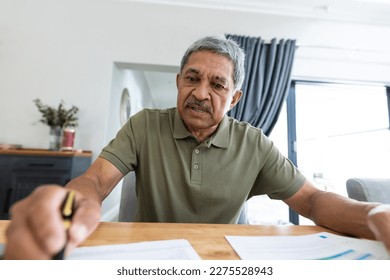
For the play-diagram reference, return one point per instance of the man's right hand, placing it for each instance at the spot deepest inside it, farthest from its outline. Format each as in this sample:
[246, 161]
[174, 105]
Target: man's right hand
[36, 230]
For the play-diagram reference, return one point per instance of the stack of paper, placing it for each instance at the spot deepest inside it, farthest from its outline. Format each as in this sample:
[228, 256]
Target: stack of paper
[177, 249]
[320, 246]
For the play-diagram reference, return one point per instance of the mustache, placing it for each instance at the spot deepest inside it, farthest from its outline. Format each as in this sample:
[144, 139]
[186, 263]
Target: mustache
[197, 104]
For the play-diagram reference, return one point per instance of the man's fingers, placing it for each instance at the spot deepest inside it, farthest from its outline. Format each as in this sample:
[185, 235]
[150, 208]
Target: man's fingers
[50, 235]
[84, 221]
[379, 223]
[36, 230]
[22, 246]
[24, 240]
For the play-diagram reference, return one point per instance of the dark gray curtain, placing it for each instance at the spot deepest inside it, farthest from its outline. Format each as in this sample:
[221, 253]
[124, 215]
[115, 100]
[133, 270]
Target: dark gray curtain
[268, 70]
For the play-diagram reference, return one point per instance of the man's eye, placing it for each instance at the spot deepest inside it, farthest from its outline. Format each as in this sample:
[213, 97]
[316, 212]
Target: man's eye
[192, 79]
[218, 86]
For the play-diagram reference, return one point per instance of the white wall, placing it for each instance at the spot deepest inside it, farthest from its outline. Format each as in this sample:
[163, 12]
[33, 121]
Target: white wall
[135, 82]
[67, 50]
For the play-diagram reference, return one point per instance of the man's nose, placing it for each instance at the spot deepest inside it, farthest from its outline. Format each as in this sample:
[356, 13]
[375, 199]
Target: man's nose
[202, 91]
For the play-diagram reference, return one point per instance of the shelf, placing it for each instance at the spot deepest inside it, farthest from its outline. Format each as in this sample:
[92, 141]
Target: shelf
[44, 152]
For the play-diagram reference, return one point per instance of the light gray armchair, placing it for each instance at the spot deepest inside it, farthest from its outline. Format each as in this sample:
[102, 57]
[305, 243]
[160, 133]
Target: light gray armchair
[369, 189]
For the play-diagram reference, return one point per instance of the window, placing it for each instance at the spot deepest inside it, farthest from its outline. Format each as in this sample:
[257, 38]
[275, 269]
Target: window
[342, 132]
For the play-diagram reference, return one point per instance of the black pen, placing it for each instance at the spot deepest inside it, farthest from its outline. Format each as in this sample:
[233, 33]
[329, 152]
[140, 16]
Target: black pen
[67, 213]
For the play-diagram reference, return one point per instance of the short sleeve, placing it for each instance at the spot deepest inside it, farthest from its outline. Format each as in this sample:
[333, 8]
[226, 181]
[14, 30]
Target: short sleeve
[279, 178]
[122, 150]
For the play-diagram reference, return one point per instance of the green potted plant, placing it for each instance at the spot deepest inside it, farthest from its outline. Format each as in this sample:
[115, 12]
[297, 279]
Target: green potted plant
[57, 118]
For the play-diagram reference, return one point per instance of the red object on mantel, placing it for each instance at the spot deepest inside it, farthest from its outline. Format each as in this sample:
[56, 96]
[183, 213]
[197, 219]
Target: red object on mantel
[9, 146]
[68, 135]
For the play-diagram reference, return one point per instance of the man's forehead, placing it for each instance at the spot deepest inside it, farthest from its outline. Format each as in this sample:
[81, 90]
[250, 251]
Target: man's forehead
[200, 62]
[217, 75]
[192, 70]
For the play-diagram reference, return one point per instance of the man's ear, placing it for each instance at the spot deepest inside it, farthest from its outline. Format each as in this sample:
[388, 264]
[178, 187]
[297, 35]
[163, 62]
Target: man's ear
[236, 97]
[177, 80]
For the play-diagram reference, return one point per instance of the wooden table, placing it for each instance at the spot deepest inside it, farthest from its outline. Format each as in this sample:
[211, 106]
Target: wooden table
[207, 239]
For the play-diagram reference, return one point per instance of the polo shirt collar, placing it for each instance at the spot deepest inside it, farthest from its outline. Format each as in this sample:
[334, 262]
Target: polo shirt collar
[220, 138]
[179, 130]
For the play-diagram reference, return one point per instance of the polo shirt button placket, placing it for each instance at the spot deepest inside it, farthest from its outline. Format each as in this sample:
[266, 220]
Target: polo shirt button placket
[196, 168]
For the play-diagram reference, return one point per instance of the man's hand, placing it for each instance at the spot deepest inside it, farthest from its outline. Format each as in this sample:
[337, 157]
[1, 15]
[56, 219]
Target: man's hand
[36, 230]
[378, 221]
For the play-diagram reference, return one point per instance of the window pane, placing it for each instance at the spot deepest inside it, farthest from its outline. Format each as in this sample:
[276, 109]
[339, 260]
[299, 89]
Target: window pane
[342, 132]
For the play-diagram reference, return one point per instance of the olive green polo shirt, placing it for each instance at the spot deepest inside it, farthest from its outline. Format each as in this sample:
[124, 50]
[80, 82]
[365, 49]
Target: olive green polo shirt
[182, 180]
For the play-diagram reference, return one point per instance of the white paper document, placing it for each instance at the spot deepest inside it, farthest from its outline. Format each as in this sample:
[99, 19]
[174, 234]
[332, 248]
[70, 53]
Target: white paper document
[320, 246]
[176, 249]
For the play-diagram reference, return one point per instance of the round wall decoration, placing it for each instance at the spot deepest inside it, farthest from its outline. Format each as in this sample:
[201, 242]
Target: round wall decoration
[125, 107]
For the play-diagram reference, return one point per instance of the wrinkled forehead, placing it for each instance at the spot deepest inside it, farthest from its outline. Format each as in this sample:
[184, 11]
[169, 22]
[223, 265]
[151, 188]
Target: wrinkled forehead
[207, 61]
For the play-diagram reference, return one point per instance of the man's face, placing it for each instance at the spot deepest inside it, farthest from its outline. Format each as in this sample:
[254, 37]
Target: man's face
[205, 91]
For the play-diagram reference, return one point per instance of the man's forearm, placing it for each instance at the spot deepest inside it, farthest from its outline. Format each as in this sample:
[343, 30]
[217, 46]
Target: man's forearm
[341, 214]
[87, 186]
[98, 181]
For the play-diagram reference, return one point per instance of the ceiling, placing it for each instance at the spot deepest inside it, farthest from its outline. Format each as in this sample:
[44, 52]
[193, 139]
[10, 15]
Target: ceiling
[366, 12]
[357, 11]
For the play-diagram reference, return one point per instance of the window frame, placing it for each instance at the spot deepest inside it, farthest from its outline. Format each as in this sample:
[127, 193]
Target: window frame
[292, 125]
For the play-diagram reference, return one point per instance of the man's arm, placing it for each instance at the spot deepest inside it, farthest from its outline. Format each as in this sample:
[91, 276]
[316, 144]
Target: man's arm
[341, 214]
[98, 181]
[36, 230]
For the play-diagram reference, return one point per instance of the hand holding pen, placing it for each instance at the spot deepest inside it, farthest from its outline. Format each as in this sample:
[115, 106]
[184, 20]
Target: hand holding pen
[37, 228]
[67, 213]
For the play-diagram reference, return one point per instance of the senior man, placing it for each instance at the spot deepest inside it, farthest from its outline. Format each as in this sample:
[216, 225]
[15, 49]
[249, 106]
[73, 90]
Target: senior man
[193, 163]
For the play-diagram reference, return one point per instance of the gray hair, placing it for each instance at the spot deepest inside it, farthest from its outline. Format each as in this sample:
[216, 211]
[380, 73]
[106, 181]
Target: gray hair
[223, 46]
